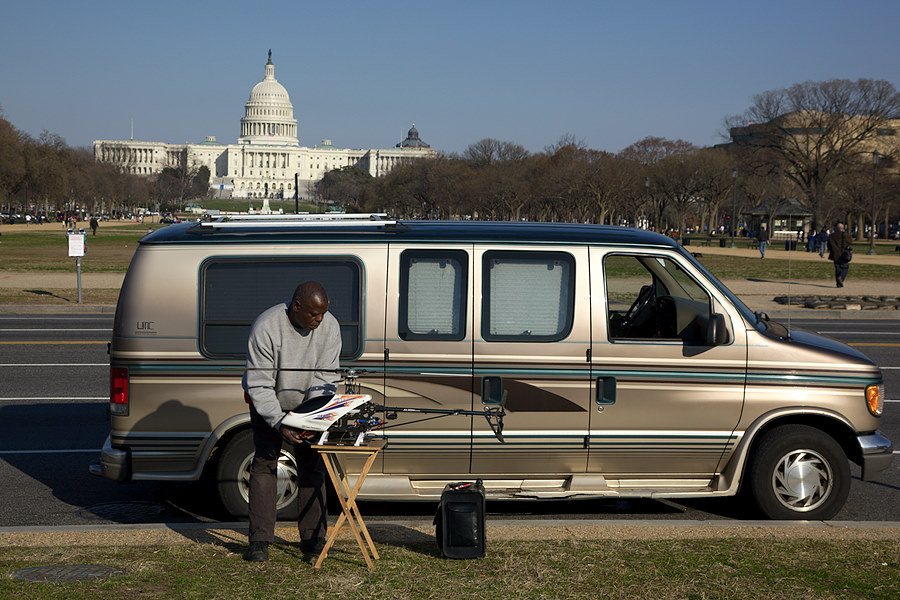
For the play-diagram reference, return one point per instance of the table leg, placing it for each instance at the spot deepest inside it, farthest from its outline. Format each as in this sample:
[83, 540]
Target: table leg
[349, 510]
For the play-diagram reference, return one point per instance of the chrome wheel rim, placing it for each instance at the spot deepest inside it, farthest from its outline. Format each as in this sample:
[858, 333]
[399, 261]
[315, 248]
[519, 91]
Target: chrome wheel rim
[286, 488]
[802, 480]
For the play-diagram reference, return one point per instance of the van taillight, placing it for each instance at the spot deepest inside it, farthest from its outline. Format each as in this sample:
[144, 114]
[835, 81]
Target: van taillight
[118, 391]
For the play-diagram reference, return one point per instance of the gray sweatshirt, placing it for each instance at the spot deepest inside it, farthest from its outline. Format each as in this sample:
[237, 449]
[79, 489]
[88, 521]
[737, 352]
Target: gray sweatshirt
[276, 344]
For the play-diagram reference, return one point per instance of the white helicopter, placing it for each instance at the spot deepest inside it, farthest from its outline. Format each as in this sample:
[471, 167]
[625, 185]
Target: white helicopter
[352, 415]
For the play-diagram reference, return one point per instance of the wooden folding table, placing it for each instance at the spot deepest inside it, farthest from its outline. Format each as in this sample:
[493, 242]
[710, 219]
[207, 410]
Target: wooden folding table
[347, 496]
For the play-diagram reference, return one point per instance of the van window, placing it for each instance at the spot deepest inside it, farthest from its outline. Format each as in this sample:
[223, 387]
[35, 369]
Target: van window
[527, 296]
[235, 291]
[433, 292]
[653, 297]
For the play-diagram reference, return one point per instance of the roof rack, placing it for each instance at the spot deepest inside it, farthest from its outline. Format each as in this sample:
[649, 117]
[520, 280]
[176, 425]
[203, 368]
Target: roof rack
[309, 220]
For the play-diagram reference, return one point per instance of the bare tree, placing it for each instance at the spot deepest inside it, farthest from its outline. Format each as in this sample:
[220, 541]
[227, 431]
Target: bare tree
[487, 151]
[816, 131]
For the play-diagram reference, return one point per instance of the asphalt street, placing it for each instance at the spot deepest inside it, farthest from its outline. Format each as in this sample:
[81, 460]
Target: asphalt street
[53, 401]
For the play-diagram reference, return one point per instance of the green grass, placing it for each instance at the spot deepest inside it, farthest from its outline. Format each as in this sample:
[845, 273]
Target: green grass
[772, 568]
[242, 205]
[43, 248]
[737, 267]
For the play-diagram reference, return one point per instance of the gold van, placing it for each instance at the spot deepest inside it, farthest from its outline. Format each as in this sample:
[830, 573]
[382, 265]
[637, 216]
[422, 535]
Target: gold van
[628, 369]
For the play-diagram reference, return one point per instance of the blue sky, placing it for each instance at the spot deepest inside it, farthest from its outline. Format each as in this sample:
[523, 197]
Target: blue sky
[361, 73]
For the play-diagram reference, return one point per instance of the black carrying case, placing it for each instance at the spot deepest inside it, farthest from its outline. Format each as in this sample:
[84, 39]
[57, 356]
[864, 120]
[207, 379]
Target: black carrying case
[459, 521]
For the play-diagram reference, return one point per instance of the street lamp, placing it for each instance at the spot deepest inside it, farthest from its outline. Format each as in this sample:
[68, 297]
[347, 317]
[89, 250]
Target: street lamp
[872, 228]
[733, 204]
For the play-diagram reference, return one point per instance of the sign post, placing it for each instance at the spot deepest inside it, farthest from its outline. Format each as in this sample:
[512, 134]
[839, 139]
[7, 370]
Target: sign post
[76, 249]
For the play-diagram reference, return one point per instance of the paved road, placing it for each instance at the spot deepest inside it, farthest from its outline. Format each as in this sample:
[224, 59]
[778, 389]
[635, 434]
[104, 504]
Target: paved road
[54, 370]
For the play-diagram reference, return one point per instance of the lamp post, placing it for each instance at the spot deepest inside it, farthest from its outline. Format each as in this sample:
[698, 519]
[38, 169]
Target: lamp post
[872, 228]
[647, 189]
[733, 204]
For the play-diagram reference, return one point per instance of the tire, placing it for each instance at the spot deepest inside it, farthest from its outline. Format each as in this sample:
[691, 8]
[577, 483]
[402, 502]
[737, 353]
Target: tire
[799, 472]
[233, 478]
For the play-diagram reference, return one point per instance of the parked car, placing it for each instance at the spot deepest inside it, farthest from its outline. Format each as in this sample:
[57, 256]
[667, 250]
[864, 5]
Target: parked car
[628, 370]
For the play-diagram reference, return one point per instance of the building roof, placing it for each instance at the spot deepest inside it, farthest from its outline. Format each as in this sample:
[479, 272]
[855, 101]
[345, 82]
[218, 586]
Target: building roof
[412, 140]
[780, 207]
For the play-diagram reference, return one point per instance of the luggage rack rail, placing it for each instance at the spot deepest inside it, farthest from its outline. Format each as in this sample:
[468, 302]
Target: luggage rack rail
[300, 220]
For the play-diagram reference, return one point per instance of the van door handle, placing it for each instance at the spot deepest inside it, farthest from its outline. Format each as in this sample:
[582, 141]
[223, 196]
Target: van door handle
[605, 390]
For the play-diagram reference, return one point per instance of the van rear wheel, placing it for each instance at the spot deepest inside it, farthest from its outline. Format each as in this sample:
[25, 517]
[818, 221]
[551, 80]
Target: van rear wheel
[233, 478]
[799, 472]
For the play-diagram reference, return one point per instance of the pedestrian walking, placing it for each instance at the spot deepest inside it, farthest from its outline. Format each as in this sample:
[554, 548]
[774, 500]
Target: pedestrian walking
[840, 251]
[822, 242]
[763, 237]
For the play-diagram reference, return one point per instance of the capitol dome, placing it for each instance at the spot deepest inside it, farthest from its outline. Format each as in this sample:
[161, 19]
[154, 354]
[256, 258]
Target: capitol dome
[268, 114]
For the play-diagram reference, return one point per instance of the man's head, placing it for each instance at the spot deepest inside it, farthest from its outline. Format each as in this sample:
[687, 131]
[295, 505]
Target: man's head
[839, 226]
[309, 305]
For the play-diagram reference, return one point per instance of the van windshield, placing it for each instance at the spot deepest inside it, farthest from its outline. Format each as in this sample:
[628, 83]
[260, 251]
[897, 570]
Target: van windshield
[748, 314]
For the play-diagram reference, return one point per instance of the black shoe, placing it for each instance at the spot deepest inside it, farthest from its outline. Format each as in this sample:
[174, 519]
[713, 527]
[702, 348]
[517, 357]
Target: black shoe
[258, 552]
[314, 546]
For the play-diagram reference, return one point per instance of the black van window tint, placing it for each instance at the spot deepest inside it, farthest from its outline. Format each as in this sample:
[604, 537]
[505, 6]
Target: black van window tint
[235, 291]
[653, 297]
[527, 296]
[433, 293]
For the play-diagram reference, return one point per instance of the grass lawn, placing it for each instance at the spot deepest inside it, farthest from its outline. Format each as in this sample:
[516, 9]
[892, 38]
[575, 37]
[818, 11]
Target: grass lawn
[43, 248]
[772, 568]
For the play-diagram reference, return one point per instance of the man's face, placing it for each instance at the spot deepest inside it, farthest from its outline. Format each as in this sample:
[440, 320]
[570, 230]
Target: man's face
[309, 315]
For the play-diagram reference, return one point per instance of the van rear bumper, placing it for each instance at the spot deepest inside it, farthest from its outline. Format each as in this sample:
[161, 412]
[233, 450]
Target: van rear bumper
[877, 453]
[113, 463]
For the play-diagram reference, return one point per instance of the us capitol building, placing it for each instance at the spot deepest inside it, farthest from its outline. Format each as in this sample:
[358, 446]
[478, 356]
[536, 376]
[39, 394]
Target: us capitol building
[268, 154]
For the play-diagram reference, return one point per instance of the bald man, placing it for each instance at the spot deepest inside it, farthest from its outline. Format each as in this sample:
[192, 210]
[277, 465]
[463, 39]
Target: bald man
[292, 356]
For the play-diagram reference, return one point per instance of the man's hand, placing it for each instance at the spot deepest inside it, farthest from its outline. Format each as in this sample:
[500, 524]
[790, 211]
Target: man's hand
[295, 436]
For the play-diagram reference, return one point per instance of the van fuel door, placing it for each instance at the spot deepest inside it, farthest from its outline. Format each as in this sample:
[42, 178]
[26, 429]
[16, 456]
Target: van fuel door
[605, 390]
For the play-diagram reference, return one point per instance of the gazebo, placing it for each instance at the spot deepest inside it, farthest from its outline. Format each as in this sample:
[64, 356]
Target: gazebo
[784, 216]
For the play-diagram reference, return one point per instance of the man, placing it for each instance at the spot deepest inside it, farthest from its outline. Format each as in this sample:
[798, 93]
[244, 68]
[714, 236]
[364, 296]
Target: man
[822, 242]
[839, 243]
[292, 356]
[763, 237]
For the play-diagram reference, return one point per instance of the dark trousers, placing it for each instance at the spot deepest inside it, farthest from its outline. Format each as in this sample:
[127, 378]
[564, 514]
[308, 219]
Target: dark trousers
[264, 489]
[841, 268]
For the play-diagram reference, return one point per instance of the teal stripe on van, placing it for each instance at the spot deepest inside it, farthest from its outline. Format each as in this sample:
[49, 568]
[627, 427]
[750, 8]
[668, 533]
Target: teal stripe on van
[769, 378]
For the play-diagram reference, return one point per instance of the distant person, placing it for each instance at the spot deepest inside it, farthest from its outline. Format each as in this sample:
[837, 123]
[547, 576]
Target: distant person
[94, 225]
[840, 251]
[763, 237]
[811, 240]
[822, 242]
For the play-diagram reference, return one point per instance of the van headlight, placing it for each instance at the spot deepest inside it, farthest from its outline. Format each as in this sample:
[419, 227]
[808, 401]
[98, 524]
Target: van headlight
[875, 399]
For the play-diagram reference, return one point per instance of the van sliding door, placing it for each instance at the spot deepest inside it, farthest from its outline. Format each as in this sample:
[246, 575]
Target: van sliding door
[532, 335]
[428, 339]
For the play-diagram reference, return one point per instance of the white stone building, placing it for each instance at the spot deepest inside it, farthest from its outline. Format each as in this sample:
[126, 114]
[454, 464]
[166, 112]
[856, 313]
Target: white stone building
[268, 154]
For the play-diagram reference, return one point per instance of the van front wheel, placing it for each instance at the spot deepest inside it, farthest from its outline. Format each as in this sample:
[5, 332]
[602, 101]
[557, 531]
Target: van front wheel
[233, 478]
[799, 472]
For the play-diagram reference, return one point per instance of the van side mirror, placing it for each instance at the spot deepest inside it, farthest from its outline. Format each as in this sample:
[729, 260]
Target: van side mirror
[716, 332]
